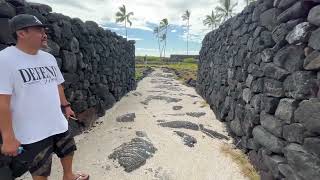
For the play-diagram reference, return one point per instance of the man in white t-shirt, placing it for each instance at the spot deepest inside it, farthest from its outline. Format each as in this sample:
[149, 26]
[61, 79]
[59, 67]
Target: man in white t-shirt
[31, 97]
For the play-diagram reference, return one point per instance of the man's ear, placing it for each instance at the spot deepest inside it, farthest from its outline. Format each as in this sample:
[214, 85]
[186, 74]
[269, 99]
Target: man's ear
[21, 34]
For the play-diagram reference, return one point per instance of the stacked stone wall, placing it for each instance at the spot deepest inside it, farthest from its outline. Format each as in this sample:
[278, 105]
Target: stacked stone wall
[259, 71]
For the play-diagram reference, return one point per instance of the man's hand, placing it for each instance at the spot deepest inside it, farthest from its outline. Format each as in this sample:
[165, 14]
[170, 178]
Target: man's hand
[10, 147]
[69, 112]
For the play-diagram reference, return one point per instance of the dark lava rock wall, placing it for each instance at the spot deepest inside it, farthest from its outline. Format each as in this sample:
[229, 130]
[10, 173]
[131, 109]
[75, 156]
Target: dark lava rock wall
[97, 64]
[260, 73]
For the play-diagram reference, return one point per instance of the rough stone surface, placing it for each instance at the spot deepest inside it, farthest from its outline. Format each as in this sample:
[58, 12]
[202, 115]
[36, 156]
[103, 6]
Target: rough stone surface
[133, 154]
[254, 72]
[314, 40]
[301, 85]
[212, 134]
[268, 140]
[187, 139]
[304, 164]
[312, 61]
[273, 88]
[177, 107]
[309, 115]
[196, 114]
[294, 12]
[290, 58]
[314, 15]
[286, 109]
[299, 34]
[180, 124]
[294, 133]
[275, 72]
[126, 117]
[271, 124]
[313, 145]
[162, 98]
[269, 104]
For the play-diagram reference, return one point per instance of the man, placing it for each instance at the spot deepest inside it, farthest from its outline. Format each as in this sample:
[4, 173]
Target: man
[31, 97]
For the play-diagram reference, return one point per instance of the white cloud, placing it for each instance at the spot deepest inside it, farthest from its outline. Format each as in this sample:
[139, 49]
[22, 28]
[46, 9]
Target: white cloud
[136, 39]
[145, 12]
[174, 30]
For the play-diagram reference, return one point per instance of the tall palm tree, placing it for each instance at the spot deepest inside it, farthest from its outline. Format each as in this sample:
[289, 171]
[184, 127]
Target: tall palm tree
[164, 25]
[122, 16]
[226, 8]
[212, 20]
[186, 17]
[157, 33]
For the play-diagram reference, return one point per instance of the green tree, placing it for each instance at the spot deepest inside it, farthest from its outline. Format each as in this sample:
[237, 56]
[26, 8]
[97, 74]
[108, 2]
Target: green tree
[164, 25]
[186, 17]
[226, 8]
[212, 20]
[123, 16]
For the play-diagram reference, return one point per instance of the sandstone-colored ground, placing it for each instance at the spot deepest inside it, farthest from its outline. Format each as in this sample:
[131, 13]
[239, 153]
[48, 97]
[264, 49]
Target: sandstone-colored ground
[173, 160]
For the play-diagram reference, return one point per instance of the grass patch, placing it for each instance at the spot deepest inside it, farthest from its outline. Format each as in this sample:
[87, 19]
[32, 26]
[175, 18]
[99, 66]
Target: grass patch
[186, 70]
[189, 60]
[204, 104]
[241, 159]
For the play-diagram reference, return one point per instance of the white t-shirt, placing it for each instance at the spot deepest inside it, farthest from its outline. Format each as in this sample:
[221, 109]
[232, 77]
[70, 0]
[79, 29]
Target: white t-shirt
[33, 81]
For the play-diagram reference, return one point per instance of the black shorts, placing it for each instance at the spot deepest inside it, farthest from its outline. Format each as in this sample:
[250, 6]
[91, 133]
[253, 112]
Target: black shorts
[37, 157]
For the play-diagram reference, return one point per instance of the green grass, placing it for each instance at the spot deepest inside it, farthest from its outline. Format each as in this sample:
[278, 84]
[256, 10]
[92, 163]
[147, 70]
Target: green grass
[189, 60]
[186, 70]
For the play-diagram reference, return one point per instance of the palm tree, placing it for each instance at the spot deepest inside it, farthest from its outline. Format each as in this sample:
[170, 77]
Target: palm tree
[225, 9]
[164, 25]
[157, 33]
[122, 16]
[186, 17]
[212, 20]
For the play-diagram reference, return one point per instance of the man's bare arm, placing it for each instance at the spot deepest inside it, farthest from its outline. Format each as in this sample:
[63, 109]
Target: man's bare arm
[63, 99]
[10, 143]
[6, 117]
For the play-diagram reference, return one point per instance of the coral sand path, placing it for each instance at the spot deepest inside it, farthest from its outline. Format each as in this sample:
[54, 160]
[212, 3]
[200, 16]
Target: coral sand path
[163, 130]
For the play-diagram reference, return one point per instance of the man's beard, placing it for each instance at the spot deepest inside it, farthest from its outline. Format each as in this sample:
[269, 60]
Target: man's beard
[45, 47]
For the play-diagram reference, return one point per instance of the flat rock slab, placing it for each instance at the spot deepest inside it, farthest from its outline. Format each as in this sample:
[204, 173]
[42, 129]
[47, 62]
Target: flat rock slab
[187, 139]
[126, 117]
[162, 98]
[134, 154]
[177, 107]
[180, 124]
[212, 134]
[168, 87]
[137, 94]
[179, 114]
[141, 134]
[190, 95]
[196, 114]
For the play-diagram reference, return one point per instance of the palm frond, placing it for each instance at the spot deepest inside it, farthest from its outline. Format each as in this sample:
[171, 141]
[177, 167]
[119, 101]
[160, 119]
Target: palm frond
[130, 23]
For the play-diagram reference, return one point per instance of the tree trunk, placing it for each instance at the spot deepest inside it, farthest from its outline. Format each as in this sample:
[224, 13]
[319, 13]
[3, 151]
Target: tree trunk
[188, 39]
[165, 43]
[125, 25]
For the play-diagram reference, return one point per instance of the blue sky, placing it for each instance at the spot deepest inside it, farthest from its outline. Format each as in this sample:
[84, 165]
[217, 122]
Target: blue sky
[147, 15]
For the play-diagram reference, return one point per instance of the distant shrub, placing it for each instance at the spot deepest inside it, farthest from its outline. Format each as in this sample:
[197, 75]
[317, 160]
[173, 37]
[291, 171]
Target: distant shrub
[189, 60]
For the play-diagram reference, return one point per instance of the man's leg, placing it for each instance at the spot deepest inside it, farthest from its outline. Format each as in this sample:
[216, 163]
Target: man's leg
[39, 178]
[64, 148]
[66, 163]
